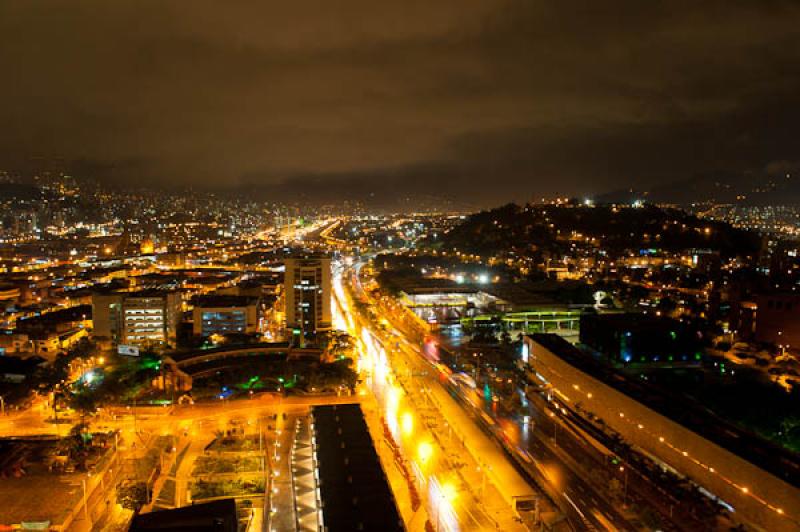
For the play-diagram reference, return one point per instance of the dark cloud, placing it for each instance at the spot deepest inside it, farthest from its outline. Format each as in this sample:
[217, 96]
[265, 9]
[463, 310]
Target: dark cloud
[488, 100]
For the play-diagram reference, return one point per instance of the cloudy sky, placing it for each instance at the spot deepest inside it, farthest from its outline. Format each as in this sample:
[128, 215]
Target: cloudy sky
[481, 100]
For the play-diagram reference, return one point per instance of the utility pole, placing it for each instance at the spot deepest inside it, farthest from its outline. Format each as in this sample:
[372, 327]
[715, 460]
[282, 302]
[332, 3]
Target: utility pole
[85, 504]
[55, 414]
[625, 488]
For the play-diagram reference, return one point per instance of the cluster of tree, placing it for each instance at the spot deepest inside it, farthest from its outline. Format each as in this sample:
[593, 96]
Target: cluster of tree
[749, 400]
[279, 374]
[133, 495]
[338, 344]
[207, 490]
[77, 446]
[121, 384]
[51, 375]
[46, 377]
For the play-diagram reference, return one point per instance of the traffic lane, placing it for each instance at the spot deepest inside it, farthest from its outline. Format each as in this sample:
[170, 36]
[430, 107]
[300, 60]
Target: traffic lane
[543, 442]
[470, 510]
[568, 485]
[641, 490]
[417, 359]
[425, 372]
[574, 484]
[428, 375]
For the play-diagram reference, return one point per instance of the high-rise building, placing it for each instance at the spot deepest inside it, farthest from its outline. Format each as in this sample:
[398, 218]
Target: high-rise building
[106, 316]
[137, 318]
[307, 285]
[151, 317]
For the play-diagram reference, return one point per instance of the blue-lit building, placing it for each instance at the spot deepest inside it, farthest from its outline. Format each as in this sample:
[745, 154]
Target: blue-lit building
[226, 315]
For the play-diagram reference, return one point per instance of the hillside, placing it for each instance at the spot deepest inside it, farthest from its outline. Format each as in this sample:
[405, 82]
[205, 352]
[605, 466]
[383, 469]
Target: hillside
[512, 227]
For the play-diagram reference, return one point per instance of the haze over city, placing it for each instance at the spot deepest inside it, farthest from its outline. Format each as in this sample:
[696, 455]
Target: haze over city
[480, 101]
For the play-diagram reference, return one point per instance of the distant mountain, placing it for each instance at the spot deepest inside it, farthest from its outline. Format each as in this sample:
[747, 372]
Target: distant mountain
[526, 229]
[749, 189]
[373, 196]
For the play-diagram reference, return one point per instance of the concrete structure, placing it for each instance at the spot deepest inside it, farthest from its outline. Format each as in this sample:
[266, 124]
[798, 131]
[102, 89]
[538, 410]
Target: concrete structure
[50, 344]
[106, 316]
[51, 333]
[225, 315]
[172, 378]
[216, 516]
[13, 343]
[150, 317]
[757, 492]
[307, 285]
[198, 363]
[137, 318]
[563, 322]
[771, 317]
[353, 487]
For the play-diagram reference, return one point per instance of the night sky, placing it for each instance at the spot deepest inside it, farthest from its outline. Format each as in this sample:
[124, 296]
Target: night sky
[483, 101]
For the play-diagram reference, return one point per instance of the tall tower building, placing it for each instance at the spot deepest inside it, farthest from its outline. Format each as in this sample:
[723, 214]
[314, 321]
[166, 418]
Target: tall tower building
[136, 318]
[307, 285]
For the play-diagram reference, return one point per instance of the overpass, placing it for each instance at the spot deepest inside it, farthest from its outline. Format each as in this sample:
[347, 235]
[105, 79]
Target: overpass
[240, 353]
[531, 321]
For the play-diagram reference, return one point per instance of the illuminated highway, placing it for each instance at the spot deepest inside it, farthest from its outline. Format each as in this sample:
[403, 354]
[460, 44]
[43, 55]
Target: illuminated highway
[540, 456]
[454, 488]
[436, 438]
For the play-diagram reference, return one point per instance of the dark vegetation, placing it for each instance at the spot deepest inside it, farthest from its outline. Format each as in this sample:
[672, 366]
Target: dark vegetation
[747, 399]
[513, 227]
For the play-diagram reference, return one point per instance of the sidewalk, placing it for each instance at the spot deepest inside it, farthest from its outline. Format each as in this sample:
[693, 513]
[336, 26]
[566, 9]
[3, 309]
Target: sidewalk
[184, 472]
[467, 443]
[488, 461]
[414, 521]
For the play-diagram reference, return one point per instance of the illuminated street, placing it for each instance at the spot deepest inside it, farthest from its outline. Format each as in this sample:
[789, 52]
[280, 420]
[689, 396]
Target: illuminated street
[460, 498]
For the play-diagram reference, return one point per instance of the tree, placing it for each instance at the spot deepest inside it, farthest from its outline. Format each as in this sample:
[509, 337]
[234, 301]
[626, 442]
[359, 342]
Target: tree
[505, 338]
[339, 344]
[132, 496]
[84, 401]
[667, 305]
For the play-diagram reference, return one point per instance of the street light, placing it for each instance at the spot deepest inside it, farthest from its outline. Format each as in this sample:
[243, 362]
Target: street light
[625, 488]
[85, 505]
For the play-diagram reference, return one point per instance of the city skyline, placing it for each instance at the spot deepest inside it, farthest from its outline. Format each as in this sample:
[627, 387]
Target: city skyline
[480, 102]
